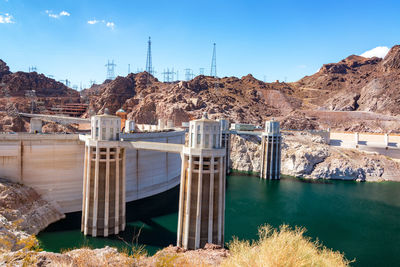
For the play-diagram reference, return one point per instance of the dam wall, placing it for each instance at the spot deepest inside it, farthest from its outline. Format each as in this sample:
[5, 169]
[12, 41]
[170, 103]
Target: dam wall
[53, 165]
[152, 172]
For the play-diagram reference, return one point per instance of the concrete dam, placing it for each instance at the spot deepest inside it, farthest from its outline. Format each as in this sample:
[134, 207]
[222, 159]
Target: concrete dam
[53, 164]
[98, 173]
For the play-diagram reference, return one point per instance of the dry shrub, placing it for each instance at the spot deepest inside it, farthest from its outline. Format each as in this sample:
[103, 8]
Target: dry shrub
[284, 247]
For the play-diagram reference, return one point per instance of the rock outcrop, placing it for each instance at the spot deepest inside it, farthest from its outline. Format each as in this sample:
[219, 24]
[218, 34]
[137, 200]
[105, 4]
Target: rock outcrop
[23, 213]
[306, 156]
[210, 255]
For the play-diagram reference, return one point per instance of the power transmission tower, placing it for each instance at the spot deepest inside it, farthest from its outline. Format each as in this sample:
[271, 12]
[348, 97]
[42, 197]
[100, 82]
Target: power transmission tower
[149, 66]
[168, 75]
[201, 71]
[110, 69]
[32, 69]
[66, 82]
[129, 68]
[188, 74]
[91, 82]
[31, 95]
[213, 72]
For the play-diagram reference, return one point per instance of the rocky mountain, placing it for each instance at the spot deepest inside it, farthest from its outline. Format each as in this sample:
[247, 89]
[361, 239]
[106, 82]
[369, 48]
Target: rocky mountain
[17, 83]
[246, 100]
[355, 84]
[354, 94]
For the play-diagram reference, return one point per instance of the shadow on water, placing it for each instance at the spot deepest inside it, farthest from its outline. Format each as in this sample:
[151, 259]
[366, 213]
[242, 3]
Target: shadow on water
[140, 228]
[139, 210]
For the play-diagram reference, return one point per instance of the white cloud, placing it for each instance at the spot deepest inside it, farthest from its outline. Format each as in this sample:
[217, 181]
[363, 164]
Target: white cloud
[6, 18]
[57, 16]
[379, 51]
[91, 22]
[108, 24]
[64, 13]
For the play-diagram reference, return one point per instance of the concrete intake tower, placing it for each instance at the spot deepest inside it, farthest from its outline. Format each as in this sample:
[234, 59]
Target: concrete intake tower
[202, 192]
[103, 205]
[271, 151]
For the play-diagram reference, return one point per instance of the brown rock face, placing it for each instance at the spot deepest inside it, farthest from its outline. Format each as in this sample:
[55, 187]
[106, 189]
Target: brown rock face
[17, 83]
[392, 60]
[242, 100]
[4, 69]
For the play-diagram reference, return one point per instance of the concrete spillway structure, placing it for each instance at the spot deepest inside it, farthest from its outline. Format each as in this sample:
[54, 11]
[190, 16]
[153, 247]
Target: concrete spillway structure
[103, 205]
[202, 192]
[226, 142]
[271, 151]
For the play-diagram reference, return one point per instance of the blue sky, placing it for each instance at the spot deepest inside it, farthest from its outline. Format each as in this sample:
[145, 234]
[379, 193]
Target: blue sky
[272, 39]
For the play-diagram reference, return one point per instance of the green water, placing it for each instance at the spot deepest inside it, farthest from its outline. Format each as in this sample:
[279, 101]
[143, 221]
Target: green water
[360, 219]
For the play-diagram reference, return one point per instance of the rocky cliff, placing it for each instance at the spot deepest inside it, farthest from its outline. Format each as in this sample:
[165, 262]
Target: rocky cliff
[23, 213]
[306, 156]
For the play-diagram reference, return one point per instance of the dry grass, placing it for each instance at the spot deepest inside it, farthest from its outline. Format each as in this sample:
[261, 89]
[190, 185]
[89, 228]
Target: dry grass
[284, 247]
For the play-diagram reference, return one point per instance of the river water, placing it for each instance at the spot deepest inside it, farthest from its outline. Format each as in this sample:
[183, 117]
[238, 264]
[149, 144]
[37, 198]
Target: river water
[361, 220]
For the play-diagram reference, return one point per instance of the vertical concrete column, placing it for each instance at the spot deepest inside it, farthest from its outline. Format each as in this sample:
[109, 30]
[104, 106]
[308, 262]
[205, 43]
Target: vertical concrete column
[181, 198]
[211, 202]
[123, 189]
[220, 199]
[262, 171]
[199, 200]
[87, 187]
[223, 174]
[84, 187]
[356, 139]
[386, 139]
[188, 199]
[96, 191]
[107, 193]
[117, 190]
